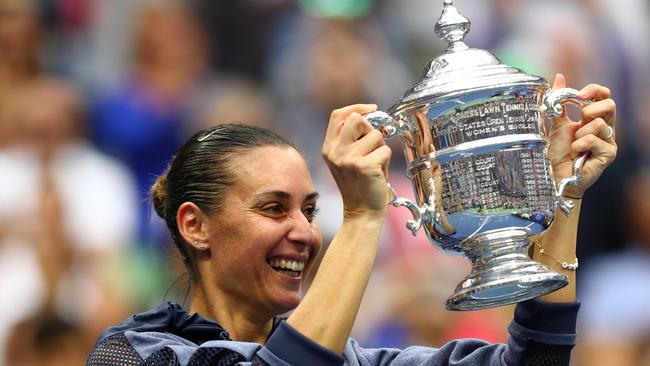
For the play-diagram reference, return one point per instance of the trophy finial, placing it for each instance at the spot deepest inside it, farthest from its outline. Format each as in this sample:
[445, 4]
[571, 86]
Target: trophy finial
[452, 27]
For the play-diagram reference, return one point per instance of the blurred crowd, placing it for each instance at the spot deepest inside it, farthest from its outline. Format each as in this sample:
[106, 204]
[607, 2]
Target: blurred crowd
[96, 96]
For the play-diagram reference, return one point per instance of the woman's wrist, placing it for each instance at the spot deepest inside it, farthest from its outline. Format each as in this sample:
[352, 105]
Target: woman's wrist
[558, 257]
[558, 243]
[365, 214]
[571, 192]
[367, 223]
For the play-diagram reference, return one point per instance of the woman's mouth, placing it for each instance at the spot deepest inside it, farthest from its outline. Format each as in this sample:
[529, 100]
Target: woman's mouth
[288, 267]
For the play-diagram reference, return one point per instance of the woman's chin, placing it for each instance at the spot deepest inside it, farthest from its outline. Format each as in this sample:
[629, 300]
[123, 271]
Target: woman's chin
[287, 303]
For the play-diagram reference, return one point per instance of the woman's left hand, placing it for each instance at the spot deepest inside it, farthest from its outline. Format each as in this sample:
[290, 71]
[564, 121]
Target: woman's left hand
[593, 135]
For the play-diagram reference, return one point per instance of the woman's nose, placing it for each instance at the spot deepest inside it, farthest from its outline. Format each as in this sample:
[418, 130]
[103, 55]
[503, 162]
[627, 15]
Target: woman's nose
[302, 230]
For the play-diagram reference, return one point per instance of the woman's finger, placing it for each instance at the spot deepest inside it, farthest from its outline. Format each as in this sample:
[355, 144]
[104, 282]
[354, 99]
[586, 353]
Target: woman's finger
[369, 142]
[597, 147]
[379, 157]
[597, 127]
[338, 116]
[559, 81]
[595, 92]
[354, 127]
[605, 109]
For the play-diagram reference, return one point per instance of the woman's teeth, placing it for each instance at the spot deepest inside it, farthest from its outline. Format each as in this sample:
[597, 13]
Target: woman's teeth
[294, 268]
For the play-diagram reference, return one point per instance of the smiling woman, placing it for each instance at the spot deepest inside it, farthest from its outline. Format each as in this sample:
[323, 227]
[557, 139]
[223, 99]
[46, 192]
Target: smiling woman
[239, 203]
[266, 216]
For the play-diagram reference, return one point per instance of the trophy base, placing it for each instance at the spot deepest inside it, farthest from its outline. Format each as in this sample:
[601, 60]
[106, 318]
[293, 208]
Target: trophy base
[502, 273]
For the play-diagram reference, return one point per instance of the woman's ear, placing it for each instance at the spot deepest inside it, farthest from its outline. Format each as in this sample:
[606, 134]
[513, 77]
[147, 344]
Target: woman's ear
[192, 225]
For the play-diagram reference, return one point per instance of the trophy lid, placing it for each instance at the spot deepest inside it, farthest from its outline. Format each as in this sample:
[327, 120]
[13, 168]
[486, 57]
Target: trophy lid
[460, 69]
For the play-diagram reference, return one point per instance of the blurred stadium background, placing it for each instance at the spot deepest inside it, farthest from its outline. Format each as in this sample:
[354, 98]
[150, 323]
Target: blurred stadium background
[96, 96]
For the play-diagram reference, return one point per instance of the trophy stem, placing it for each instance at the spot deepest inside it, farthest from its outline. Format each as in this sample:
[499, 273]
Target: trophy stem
[502, 273]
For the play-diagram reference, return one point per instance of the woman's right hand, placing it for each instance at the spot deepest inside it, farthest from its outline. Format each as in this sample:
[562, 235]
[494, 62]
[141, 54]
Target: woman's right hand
[358, 158]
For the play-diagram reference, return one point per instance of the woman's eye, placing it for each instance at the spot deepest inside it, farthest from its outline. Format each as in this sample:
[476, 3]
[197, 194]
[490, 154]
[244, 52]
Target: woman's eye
[273, 209]
[310, 212]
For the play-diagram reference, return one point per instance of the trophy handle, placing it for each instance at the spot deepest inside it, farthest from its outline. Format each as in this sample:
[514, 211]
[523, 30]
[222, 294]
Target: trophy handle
[386, 124]
[420, 214]
[553, 107]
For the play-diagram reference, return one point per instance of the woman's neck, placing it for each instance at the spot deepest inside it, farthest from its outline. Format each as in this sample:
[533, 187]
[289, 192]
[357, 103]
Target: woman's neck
[232, 316]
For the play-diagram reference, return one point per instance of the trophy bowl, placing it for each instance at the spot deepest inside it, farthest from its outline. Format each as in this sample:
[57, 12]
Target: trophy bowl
[473, 135]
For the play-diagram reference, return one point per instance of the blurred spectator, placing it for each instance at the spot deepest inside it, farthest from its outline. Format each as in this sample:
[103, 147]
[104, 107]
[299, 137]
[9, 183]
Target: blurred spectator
[615, 322]
[642, 132]
[235, 99]
[240, 33]
[143, 121]
[58, 342]
[66, 215]
[19, 51]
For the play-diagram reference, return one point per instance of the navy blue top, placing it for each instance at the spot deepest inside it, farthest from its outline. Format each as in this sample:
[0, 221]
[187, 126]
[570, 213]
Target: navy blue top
[540, 332]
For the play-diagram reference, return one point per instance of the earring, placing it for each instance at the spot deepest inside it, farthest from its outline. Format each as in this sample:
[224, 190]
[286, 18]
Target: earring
[200, 245]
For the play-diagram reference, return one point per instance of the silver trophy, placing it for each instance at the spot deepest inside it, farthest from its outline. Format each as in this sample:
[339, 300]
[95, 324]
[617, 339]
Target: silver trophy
[473, 135]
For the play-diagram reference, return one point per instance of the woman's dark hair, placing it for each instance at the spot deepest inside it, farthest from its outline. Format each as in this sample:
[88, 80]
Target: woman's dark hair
[202, 172]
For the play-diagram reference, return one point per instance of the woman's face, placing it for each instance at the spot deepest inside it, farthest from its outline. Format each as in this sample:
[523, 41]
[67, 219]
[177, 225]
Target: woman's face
[264, 239]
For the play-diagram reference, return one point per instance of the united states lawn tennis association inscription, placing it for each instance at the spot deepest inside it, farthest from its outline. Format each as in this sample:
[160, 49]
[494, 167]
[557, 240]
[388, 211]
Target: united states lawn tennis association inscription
[508, 180]
[507, 116]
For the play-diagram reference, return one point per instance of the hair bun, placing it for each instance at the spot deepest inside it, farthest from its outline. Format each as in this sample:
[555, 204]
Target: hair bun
[159, 195]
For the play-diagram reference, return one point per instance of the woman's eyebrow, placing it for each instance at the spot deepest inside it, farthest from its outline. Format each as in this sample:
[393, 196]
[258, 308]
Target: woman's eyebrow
[312, 196]
[282, 195]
